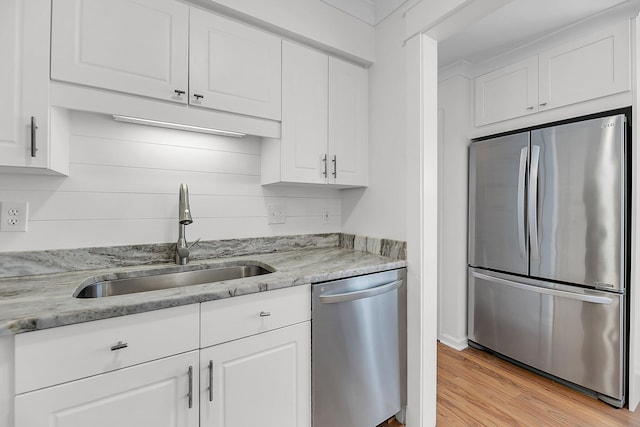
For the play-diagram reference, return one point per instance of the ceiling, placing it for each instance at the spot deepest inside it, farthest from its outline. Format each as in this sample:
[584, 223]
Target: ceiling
[369, 11]
[515, 24]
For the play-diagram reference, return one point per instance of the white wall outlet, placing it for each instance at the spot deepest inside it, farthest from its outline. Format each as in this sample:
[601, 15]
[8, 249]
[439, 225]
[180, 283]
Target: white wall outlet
[277, 214]
[326, 219]
[14, 216]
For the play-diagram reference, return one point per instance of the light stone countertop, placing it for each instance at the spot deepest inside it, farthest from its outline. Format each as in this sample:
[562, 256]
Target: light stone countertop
[29, 303]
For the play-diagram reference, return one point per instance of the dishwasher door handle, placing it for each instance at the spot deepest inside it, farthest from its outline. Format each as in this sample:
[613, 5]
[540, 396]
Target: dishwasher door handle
[365, 293]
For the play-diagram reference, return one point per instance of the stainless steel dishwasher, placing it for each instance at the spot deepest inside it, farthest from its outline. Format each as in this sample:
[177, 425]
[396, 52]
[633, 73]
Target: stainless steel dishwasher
[358, 347]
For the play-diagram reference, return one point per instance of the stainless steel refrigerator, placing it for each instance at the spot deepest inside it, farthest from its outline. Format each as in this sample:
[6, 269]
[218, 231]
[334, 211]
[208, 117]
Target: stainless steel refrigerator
[548, 251]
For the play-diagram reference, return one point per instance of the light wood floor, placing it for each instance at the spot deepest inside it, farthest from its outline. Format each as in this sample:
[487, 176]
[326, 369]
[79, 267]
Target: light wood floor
[478, 389]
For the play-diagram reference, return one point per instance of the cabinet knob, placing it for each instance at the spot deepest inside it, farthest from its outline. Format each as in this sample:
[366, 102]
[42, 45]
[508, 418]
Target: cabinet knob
[198, 96]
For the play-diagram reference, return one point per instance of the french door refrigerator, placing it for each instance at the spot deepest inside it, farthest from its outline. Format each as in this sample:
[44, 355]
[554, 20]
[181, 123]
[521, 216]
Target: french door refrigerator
[548, 251]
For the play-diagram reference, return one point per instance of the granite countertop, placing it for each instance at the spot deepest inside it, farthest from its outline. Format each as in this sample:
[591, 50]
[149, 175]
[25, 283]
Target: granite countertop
[29, 303]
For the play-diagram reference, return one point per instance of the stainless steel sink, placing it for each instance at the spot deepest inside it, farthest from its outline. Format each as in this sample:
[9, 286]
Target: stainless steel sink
[174, 279]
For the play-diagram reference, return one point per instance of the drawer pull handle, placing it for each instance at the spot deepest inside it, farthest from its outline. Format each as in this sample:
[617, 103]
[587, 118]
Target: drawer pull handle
[265, 313]
[179, 92]
[210, 380]
[190, 387]
[119, 346]
[197, 96]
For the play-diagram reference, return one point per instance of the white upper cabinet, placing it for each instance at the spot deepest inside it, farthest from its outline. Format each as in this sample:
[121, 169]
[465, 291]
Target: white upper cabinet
[348, 123]
[233, 67]
[583, 69]
[304, 114]
[167, 50]
[325, 120]
[25, 116]
[134, 46]
[507, 93]
[587, 68]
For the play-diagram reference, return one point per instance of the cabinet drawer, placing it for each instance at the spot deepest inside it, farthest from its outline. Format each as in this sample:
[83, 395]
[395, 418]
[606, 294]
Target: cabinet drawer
[53, 356]
[233, 318]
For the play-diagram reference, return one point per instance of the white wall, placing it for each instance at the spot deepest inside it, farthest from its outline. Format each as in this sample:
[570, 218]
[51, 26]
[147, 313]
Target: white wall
[634, 279]
[454, 107]
[123, 189]
[379, 210]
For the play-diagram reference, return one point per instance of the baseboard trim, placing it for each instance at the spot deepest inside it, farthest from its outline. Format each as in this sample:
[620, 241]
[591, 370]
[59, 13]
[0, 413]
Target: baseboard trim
[455, 343]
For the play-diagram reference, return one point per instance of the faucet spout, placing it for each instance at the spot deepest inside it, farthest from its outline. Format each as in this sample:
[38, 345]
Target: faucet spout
[184, 211]
[184, 219]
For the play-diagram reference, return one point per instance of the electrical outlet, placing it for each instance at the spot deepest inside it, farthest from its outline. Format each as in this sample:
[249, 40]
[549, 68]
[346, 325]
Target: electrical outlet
[277, 214]
[325, 216]
[14, 216]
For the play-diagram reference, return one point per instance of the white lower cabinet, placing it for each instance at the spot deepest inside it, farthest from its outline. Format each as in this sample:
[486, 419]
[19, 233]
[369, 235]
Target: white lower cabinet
[153, 394]
[149, 370]
[263, 380]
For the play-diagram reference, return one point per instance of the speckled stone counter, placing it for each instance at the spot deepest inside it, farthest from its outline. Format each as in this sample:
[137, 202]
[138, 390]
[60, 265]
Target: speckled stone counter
[29, 303]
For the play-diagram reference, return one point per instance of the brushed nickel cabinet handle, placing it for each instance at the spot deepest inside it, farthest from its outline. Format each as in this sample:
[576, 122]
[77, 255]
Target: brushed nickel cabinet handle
[190, 387]
[210, 380]
[119, 345]
[34, 128]
[335, 166]
[324, 161]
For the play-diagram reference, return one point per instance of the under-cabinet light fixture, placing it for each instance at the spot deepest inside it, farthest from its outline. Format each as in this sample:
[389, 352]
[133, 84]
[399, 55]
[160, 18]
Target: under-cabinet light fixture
[157, 123]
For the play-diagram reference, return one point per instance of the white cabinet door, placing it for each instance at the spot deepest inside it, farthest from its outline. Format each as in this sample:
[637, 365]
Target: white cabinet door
[233, 67]
[24, 84]
[154, 394]
[263, 380]
[507, 93]
[304, 115]
[586, 68]
[348, 123]
[132, 46]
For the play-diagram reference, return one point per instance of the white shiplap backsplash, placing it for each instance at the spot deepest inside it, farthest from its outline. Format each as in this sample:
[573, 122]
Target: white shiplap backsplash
[123, 190]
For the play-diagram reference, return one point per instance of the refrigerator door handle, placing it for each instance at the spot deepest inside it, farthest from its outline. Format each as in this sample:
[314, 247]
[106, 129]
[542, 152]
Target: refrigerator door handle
[520, 203]
[595, 299]
[533, 201]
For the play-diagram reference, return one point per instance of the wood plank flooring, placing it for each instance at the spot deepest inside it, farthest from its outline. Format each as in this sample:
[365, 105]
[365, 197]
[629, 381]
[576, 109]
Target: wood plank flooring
[478, 389]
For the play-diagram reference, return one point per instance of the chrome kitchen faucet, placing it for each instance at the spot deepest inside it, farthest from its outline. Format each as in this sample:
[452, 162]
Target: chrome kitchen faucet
[184, 219]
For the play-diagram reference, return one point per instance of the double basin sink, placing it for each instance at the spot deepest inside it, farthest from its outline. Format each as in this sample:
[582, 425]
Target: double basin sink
[139, 282]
